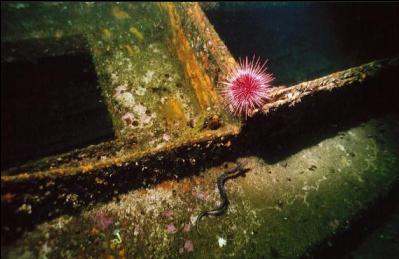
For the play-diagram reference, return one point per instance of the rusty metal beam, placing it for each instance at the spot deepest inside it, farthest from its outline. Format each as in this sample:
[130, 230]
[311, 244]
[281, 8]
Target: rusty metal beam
[290, 96]
[281, 97]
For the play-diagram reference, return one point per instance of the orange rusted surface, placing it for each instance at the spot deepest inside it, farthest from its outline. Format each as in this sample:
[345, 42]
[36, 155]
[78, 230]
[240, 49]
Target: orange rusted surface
[174, 113]
[186, 186]
[216, 46]
[7, 197]
[167, 185]
[201, 83]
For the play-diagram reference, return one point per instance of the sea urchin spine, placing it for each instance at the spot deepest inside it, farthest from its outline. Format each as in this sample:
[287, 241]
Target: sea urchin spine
[245, 88]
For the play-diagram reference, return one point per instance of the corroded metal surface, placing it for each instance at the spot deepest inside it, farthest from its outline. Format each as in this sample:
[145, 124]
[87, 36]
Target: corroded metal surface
[152, 191]
[352, 77]
[204, 58]
[154, 108]
[166, 114]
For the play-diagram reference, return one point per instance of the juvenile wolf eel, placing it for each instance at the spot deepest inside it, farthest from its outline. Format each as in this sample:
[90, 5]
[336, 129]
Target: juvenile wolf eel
[232, 173]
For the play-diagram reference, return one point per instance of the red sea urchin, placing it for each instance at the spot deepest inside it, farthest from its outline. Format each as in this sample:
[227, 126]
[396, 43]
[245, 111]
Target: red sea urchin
[245, 88]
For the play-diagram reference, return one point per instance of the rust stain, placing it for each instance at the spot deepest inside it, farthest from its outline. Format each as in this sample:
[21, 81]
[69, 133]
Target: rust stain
[167, 185]
[174, 113]
[87, 168]
[113, 160]
[122, 253]
[185, 186]
[94, 232]
[223, 59]
[199, 181]
[205, 93]
[205, 61]
[7, 197]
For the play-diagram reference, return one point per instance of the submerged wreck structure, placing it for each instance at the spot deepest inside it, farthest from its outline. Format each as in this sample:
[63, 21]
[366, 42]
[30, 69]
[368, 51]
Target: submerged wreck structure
[119, 133]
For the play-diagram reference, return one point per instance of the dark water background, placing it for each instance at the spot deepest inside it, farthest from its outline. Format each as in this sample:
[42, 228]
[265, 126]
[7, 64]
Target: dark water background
[48, 106]
[304, 41]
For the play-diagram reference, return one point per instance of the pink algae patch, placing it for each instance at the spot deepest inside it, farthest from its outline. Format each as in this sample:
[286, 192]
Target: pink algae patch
[200, 195]
[171, 229]
[187, 227]
[168, 213]
[188, 246]
[102, 220]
